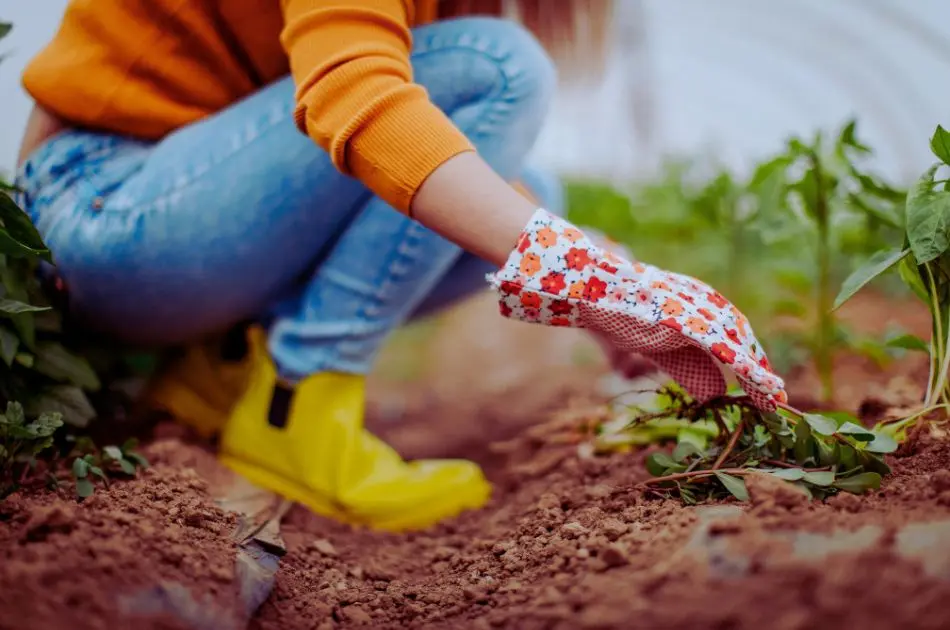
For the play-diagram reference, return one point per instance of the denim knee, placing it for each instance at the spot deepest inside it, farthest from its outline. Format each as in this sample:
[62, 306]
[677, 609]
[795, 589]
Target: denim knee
[524, 77]
[528, 70]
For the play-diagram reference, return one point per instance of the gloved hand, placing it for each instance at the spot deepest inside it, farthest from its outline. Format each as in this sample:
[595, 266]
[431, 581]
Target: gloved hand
[557, 276]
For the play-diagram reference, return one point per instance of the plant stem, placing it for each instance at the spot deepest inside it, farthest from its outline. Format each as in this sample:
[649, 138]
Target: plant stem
[940, 386]
[733, 440]
[937, 340]
[825, 331]
[698, 474]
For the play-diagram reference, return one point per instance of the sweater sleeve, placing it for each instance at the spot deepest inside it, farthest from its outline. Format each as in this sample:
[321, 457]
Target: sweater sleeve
[356, 97]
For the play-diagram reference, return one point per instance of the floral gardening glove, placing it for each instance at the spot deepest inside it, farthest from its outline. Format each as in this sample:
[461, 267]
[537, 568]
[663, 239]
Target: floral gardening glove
[557, 276]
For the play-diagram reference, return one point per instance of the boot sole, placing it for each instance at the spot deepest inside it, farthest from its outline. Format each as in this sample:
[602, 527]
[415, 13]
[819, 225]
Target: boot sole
[324, 506]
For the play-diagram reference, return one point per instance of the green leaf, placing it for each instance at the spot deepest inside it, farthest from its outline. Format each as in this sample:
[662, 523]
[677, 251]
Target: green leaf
[848, 138]
[127, 466]
[14, 277]
[873, 462]
[84, 488]
[860, 483]
[908, 342]
[9, 344]
[876, 265]
[15, 307]
[113, 452]
[803, 443]
[9, 246]
[907, 270]
[788, 474]
[819, 478]
[684, 450]
[58, 363]
[734, 485]
[97, 472]
[828, 453]
[68, 400]
[47, 424]
[136, 459]
[882, 443]
[19, 226]
[5, 28]
[940, 144]
[14, 413]
[821, 425]
[659, 464]
[928, 219]
[80, 468]
[856, 431]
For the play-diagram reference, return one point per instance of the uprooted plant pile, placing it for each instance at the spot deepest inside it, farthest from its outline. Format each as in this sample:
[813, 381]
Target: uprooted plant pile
[721, 441]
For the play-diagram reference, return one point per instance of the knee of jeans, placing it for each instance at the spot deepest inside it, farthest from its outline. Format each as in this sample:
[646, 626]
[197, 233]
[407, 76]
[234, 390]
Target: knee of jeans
[527, 73]
[529, 70]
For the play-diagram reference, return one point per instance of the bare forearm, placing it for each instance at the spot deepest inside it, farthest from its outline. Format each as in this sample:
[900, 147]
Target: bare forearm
[465, 201]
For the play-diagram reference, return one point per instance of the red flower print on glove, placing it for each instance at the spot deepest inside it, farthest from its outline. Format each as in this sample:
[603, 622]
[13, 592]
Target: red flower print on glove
[595, 290]
[553, 282]
[577, 258]
[530, 300]
[685, 327]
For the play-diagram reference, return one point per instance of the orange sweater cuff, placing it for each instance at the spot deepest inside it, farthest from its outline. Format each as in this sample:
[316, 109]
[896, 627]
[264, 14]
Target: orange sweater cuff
[398, 150]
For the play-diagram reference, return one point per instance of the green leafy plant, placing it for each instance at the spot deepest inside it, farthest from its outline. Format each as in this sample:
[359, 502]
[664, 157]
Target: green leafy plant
[777, 243]
[923, 263]
[21, 441]
[721, 441]
[821, 193]
[90, 463]
[44, 383]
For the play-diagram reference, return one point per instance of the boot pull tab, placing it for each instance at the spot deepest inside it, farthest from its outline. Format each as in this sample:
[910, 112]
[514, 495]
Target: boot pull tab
[279, 412]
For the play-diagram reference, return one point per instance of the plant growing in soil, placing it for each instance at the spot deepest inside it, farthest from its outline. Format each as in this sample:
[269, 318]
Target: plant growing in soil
[91, 462]
[923, 262]
[721, 441]
[747, 237]
[824, 195]
[44, 385]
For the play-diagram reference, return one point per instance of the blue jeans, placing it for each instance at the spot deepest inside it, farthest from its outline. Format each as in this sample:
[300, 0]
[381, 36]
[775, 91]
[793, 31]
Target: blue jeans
[240, 216]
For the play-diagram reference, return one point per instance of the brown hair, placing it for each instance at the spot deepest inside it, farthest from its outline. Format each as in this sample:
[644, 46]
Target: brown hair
[576, 33]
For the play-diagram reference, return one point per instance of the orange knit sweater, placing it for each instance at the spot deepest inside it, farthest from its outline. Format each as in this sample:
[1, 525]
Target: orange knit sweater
[147, 67]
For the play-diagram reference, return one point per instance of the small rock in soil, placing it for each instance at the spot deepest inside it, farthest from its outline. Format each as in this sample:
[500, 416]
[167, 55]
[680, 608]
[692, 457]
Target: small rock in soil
[845, 501]
[614, 556]
[573, 530]
[324, 546]
[613, 528]
[767, 492]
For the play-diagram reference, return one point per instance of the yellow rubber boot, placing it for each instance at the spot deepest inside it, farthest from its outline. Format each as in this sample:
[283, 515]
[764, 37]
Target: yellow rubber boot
[309, 445]
[200, 388]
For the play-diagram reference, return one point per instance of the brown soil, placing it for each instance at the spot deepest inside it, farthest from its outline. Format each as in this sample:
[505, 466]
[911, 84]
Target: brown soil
[566, 542]
[111, 561]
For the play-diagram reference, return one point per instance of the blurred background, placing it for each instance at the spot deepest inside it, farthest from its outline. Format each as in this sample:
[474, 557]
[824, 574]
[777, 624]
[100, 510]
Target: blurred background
[698, 97]
[730, 78]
